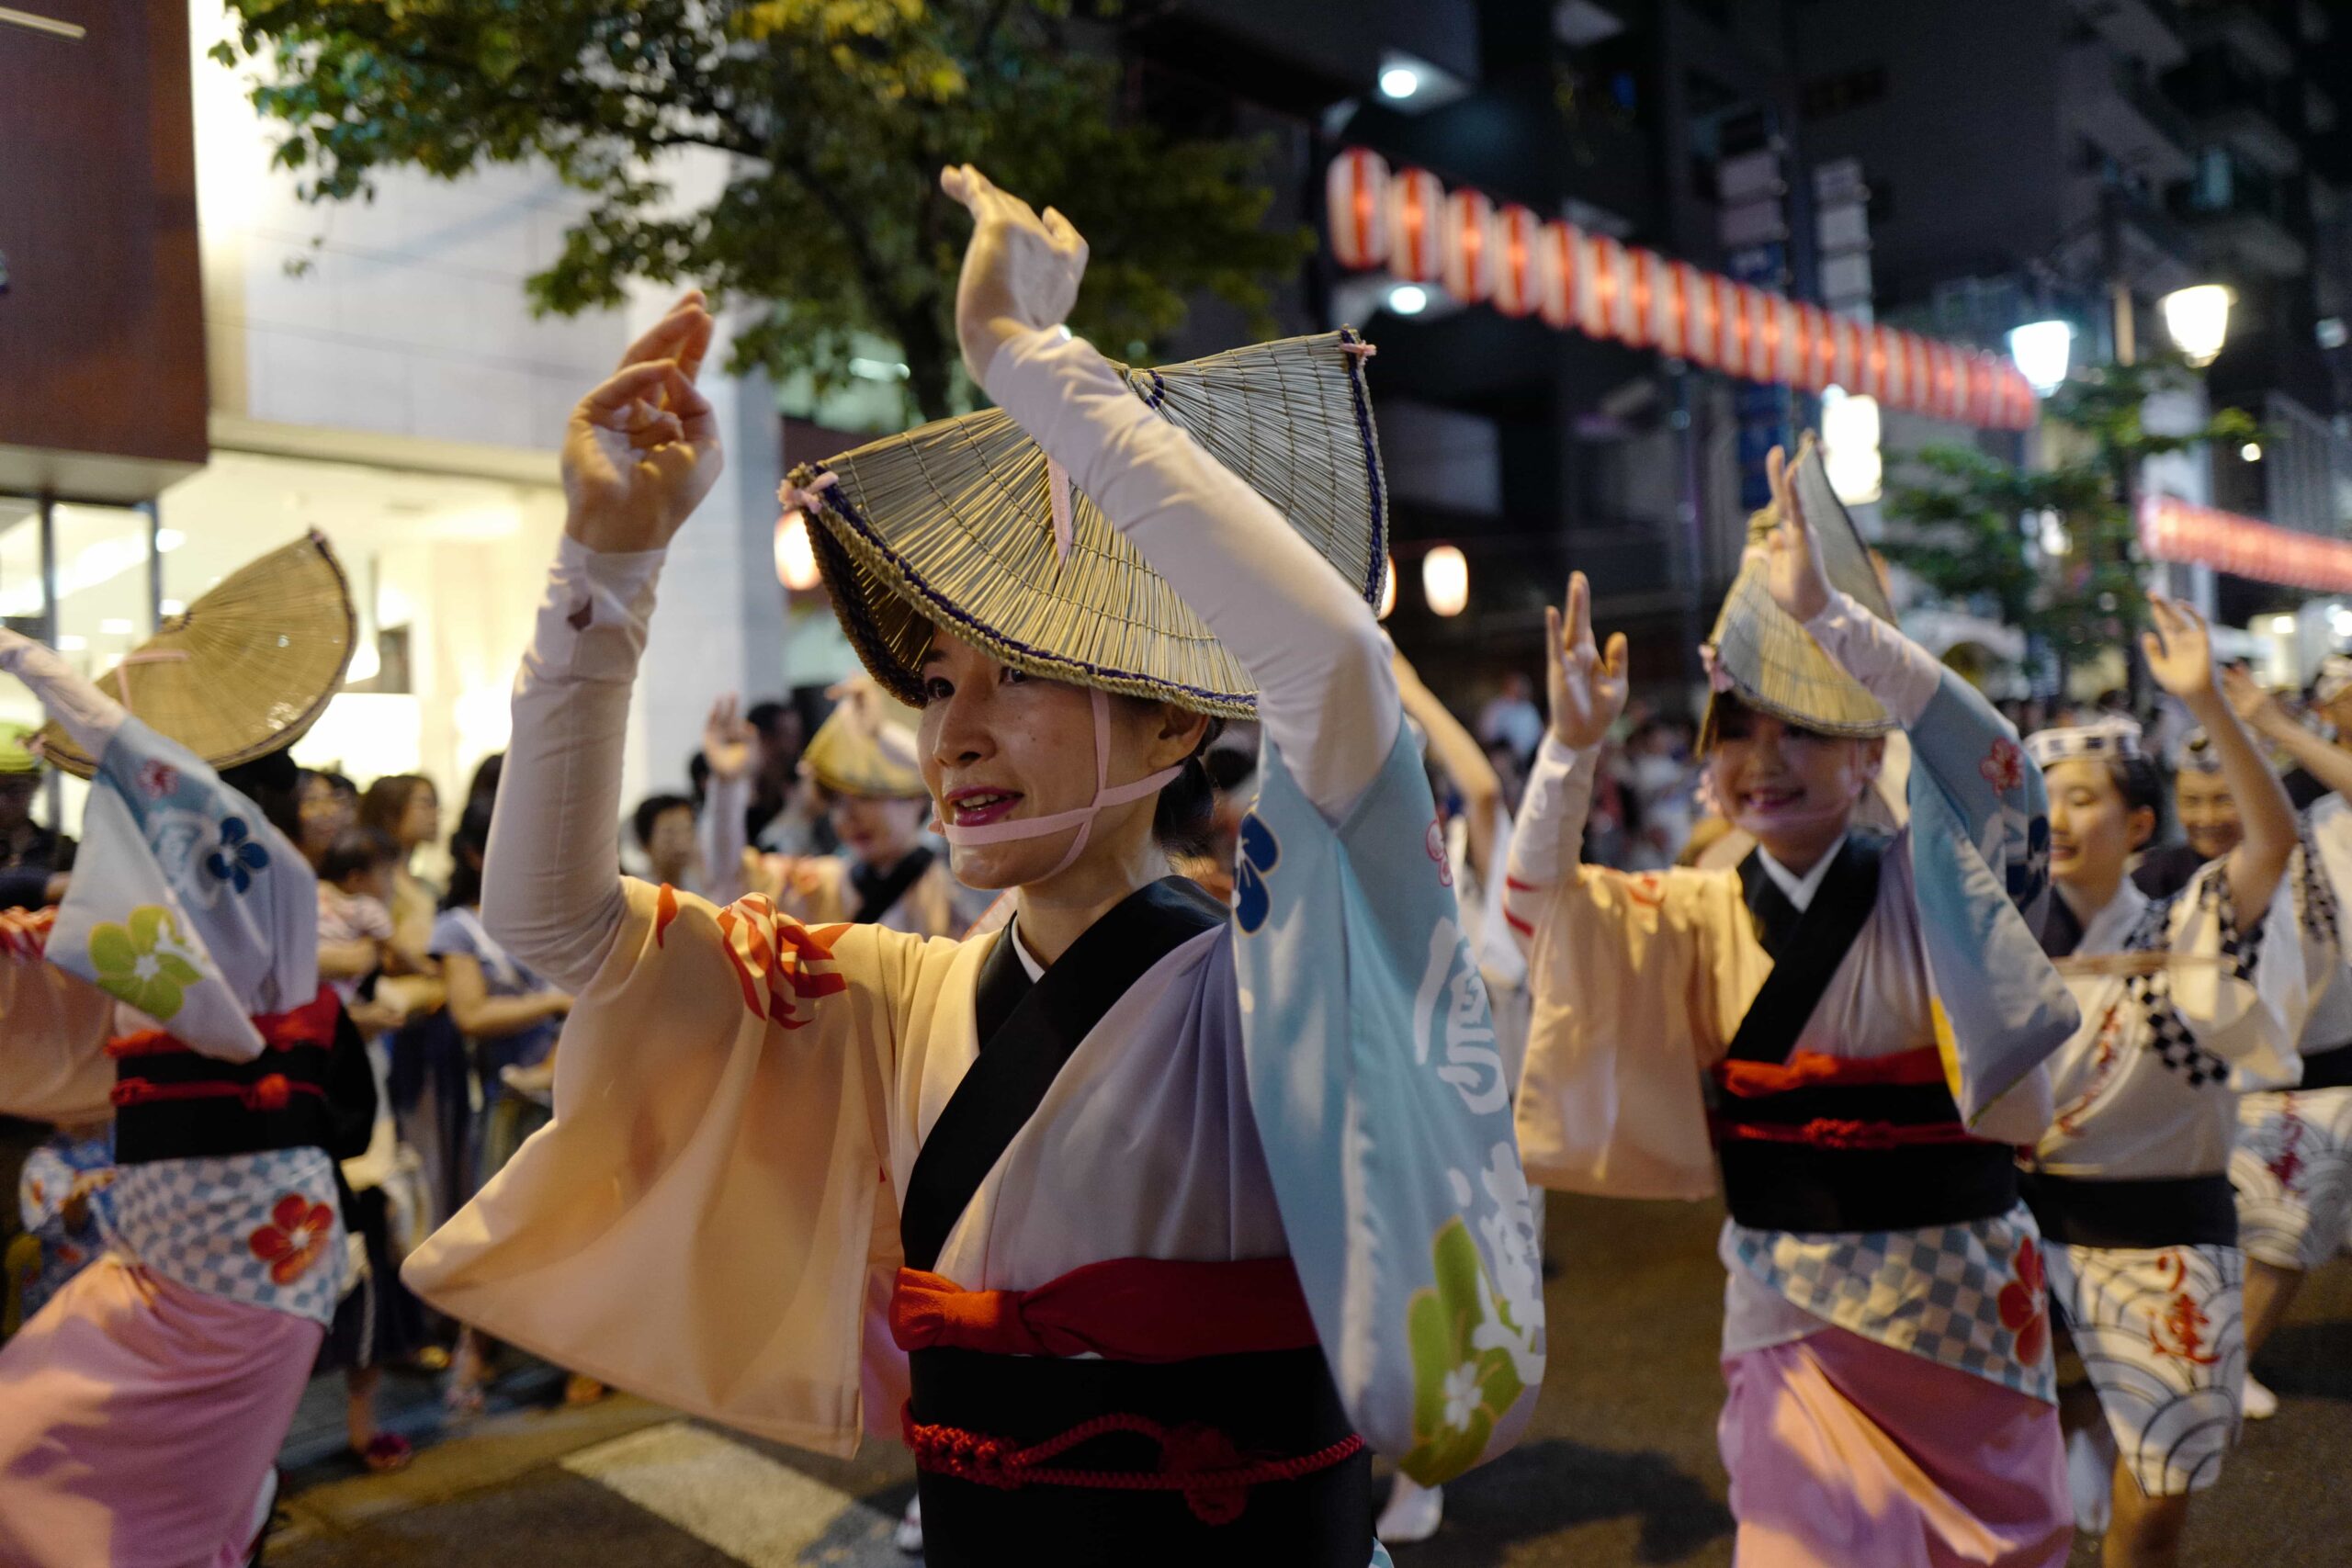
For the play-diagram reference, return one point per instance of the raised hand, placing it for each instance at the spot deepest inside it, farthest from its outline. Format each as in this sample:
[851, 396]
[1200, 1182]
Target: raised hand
[642, 450]
[2180, 651]
[1792, 569]
[1021, 271]
[1587, 689]
[727, 739]
[2256, 707]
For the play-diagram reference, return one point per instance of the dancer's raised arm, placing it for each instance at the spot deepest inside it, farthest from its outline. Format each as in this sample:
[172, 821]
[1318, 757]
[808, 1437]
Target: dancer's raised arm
[639, 455]
[1327, 696]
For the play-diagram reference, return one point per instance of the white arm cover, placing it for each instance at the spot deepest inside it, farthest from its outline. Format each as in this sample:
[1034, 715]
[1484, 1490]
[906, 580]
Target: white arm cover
[88, 715]
[1548, 838]
[1327, 695]
[1896, 671]
[549, 892]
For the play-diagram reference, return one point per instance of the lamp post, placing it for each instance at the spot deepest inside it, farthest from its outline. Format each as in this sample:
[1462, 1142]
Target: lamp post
[2198, 319]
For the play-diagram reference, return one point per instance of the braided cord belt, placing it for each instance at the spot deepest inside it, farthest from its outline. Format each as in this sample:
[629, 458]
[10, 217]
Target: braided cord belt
[1198, 1460]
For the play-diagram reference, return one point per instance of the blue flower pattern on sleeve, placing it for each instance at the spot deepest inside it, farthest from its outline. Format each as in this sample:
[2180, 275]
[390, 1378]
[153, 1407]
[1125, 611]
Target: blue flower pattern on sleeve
[239, 856]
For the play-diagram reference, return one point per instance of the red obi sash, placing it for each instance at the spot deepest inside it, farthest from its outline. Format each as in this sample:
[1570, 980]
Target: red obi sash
[1128, 1309]
[261, 1085]
[1211, 1431]
[1876, 1102]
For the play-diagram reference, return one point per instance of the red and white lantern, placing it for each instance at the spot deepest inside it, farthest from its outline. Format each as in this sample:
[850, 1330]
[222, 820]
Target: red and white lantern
[1517, 237]
[1466, 254]
[1555, 274]
[1415, 216]
[1355, 203]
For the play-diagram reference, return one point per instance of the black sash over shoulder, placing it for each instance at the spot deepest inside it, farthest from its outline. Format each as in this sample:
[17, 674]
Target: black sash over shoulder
[1021, 1058]
[1860, 1148]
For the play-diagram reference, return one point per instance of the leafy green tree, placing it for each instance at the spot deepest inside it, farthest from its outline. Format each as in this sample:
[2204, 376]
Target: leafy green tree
[836, 117]
[1973, 524]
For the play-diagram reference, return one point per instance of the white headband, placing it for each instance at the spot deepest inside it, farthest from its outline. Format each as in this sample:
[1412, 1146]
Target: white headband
[2109, 737]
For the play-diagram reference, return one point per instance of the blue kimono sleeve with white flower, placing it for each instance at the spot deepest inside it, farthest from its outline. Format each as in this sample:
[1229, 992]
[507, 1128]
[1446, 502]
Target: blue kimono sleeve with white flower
[186, 905]
[1382, 1101]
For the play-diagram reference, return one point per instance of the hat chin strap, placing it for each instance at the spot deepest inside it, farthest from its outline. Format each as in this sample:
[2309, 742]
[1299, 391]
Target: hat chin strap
[1082, 817]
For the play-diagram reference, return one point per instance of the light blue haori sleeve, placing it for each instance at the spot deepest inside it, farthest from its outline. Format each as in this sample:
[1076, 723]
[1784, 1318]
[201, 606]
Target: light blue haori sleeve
[185, 904]
[1381, 1098]
[1980, 855]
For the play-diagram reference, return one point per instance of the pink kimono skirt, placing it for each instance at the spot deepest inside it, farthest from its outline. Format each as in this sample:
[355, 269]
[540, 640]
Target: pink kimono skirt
[139, 1421]
[1844, 1452]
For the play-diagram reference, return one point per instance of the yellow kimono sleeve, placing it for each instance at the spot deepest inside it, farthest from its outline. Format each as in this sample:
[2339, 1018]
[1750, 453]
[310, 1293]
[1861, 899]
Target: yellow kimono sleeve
[1631, 977]
[694, 1224]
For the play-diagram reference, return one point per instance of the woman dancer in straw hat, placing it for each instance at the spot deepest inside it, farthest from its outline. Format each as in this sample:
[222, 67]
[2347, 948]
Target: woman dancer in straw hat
[2185, 999]
[141, 1410]
[1227, 1194]
[1874, 1417]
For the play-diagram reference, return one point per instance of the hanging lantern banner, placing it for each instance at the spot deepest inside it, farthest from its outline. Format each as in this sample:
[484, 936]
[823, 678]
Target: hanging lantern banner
[1355, 193]
[1515, 238]
[1409, 221]
[1555, 274]
[1416, 213]
[1466, 256]
[2174, 530]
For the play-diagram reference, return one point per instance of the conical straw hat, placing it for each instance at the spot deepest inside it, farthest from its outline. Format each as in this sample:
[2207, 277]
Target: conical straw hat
[1773, 663]
[952, 525]
[866, 746]
[246, 670]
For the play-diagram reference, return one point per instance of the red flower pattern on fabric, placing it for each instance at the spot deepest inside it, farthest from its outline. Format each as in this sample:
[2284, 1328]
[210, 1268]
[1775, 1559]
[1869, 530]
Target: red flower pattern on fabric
[2024, 1306]
[297, 1234]
[2004, 766]
[1434, 845]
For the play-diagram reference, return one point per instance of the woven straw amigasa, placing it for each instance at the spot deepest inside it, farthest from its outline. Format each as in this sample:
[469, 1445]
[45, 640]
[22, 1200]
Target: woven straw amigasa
[1773, 664]
[951, 526]
[866, 746]
[246, 670]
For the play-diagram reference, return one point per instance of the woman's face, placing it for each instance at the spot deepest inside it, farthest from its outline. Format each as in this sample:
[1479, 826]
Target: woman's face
[998, 745]
[421, 822]
[2092, 831]
[2209, 816]
[327, 813]
[1794, 790]
[879, 832]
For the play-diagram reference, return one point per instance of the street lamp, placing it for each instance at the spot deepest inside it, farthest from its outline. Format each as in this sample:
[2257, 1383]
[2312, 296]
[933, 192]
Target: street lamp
[1408, 300]
[2198, 319]
[1445, 581]
[2042, 350]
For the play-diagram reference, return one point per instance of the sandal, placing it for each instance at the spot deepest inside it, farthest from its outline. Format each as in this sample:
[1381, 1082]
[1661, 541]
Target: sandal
[385, 1454]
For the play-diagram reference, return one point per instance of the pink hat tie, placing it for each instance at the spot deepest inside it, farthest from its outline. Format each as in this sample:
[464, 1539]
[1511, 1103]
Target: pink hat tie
[1082, 817]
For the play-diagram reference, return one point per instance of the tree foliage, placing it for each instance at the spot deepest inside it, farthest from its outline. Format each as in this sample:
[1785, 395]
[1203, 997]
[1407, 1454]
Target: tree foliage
[835, 117]
[1975, 526]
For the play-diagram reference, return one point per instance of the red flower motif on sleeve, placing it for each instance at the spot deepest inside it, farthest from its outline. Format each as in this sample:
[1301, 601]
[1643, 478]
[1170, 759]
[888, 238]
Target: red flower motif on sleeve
[782, 965]
[2024, 1308]
[297, 1234]
[2004, 766]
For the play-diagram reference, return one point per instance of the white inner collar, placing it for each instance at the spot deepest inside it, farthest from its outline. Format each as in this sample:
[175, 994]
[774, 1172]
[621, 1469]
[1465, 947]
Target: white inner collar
[1021, 949]
[1799, 890]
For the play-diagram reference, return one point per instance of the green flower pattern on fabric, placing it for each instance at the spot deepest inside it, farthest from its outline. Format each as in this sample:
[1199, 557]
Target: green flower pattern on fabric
[1460, 1391]
[145, 962]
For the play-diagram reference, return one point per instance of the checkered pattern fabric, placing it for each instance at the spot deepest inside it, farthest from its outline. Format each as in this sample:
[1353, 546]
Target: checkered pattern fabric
[2169, 1033]
[1967, 1296]
[2161, 1332]
[261, 1229]
[2292, 1169]
[2315, 907]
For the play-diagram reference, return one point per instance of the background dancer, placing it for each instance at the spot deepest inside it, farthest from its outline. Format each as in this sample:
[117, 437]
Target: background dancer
[2181, 998]
[142, 1411]
[2292, 1166]
[1874, 1417]
[1096, 1212]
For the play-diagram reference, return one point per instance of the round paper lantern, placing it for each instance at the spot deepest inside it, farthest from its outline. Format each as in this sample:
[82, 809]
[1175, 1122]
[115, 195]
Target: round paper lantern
[1416, 208]
[796, 559]
[1355, 201]
[1465, 253]
[1516, 238]
[1445, 581]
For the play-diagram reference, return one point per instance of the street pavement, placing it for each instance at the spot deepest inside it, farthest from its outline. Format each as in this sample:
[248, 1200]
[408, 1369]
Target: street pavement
[1619, 1466]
